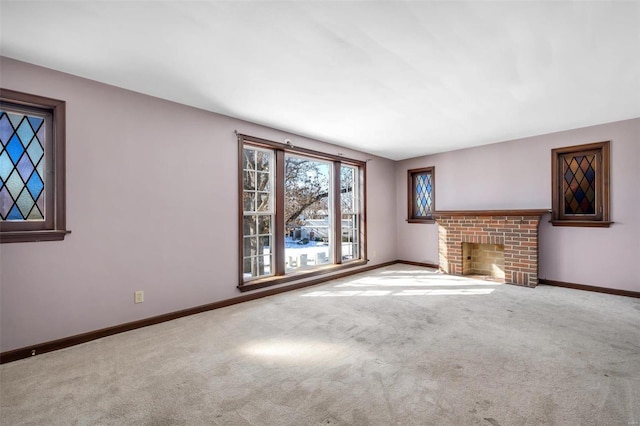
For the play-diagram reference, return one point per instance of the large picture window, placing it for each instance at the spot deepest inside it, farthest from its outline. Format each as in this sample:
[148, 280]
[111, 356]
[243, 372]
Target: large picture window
[32, 171]
[580, 185]
[302, 212]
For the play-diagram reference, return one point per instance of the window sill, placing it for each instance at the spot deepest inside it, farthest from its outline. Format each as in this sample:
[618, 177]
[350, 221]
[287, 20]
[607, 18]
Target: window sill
[430, 220]
[582, 223]
[32, 236]
[294, 276]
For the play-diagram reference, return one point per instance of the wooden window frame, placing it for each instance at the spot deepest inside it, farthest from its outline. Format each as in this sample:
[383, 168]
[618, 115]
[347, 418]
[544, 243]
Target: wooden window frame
[411, 208]
[602, 194]
[280, 275]
[53, 228]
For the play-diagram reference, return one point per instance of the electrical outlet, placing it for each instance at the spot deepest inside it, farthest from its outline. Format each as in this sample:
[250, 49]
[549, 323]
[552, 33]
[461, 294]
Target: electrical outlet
[139, 297]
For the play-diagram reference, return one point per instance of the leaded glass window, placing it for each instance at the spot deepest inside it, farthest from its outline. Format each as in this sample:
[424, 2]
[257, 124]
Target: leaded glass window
[581, 185]
[32, 140]
[21, 166]
[421, 194]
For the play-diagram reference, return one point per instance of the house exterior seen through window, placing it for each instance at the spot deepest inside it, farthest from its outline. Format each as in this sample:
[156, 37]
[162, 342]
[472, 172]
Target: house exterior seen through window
[302, 212]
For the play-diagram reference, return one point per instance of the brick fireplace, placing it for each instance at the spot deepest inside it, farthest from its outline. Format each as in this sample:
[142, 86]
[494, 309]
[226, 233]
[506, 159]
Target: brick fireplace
[516, 230]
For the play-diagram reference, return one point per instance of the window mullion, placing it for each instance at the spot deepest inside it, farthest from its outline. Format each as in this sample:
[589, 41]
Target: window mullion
[337, 214]
[279, 254]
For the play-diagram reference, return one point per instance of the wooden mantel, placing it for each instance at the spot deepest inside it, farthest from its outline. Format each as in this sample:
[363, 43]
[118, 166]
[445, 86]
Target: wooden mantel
[526, 212]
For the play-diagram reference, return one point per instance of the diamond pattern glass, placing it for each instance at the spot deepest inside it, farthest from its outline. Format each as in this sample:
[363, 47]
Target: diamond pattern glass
[21, 167]
[579, 184]
[423, 196]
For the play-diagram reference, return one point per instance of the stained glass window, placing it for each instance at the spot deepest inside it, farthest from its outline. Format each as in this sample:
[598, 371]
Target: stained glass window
[32, 168]
[21, 166]
[580, 185]
[421, 194]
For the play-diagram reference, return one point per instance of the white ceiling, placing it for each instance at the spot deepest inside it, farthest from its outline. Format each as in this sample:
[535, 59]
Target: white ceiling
[397, 79]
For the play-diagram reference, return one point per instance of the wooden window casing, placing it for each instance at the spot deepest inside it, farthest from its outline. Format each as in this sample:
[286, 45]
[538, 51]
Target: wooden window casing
[279, 274]
[53, 227]
[414, 213]
[568, 177]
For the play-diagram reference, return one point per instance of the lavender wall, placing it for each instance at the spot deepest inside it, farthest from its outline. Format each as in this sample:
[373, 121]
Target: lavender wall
[151, 203]
[517, 175]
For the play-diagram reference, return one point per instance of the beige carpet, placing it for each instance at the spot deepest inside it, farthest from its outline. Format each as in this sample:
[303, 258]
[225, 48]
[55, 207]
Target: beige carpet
[400, 345]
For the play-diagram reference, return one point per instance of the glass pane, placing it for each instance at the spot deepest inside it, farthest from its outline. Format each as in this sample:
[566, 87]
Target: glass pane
[249, 179]
[248, 159]
[6, 202]
[15, 149]
[6, 129]
[257, 266]
[265, 263]
[25, 167]
[21, 166]
[25, 132]
[35, 186]
[264, 202]
[255, 271]
[348, 189]
[246, 267]
[14, 184]
[264, 225]
[423, 197]
[40, 202]
[249, 247]
[263, 181]
[349, 252]
[249, 201]
[257, 197]
[350, 237]
[308, 212]
[25, 203]
[6, 166]
[579, 184]
[35, 151]
[264, 245]
[35, 214]
[249, 225]
[263, 161]
[350, 220]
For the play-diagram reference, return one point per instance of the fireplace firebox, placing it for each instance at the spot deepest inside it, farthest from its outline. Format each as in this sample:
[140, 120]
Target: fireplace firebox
[515, 232]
